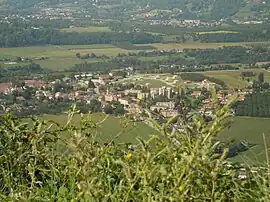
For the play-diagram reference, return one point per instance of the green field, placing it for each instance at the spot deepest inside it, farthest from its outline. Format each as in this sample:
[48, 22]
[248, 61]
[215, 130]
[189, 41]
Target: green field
[251, 130]
[153, 83]
[62, 57]
[218, 32]
[120, 130]
[169, 46]
[87, 29]
[233, 78]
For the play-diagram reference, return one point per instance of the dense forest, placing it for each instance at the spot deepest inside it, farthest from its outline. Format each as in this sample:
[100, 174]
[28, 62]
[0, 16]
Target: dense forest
[15, 34]
[234, 54]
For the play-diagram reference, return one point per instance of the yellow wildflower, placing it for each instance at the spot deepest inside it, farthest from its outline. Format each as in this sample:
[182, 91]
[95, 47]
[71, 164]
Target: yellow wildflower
[181, 188]
[129, 155]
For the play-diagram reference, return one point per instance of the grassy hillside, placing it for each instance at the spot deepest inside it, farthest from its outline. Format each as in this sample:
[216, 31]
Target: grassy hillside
[233, 78]
[250, 129]
[121, 130]
[112, 128]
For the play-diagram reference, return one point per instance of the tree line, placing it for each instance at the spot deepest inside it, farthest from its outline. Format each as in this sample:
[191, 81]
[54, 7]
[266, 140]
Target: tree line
[249, 35]
[19, 34]
[256, 104]
[26, 71]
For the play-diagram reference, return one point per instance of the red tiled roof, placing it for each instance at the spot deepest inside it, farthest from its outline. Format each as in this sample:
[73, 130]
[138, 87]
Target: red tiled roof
[104, 76]
[36, 82]
[4, 87]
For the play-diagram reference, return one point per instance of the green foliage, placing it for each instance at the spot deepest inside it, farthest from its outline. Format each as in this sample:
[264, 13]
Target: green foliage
[255, 104]
[19, 34]
[178, 166]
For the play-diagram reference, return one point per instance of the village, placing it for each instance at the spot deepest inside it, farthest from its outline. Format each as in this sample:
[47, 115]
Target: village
[130, 93]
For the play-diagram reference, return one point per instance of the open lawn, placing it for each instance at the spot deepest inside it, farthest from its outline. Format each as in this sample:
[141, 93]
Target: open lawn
[250, 129]
[87, 29]
[111, 128]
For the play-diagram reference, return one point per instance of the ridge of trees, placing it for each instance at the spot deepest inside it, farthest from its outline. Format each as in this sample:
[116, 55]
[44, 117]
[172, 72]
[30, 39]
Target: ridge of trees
[17, 34]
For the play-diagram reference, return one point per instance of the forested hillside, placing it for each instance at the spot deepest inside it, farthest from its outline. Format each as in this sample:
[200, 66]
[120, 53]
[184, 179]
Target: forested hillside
[189, 9]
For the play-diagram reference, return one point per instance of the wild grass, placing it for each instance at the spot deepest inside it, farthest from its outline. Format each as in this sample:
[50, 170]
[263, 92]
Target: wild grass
[181, 165]
[111, 129]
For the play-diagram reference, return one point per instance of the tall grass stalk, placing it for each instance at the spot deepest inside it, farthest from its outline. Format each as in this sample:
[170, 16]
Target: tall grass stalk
[177, 165]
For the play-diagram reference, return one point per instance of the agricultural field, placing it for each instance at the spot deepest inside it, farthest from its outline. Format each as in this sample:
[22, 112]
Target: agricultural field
[250, 129]
[111, 128]
[233, 78]
[87, 29]
[194, 45]
[62, 57]
[59, 57]
[218, 32]
[122, 130]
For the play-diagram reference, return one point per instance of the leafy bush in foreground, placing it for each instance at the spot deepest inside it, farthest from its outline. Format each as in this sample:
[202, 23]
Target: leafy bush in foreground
[37, 165]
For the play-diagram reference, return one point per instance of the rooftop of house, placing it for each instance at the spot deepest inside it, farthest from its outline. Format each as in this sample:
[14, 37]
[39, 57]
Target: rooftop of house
[4, 87]
[35, 82]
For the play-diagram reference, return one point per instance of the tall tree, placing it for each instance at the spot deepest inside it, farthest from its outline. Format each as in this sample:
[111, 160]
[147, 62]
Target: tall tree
[261, 77]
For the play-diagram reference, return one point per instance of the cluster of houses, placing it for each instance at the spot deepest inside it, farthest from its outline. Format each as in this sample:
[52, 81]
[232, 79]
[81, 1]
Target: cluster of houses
[130, 97]
[185, 23]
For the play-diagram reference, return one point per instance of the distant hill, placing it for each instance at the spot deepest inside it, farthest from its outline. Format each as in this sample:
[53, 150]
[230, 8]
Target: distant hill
[187, 9]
